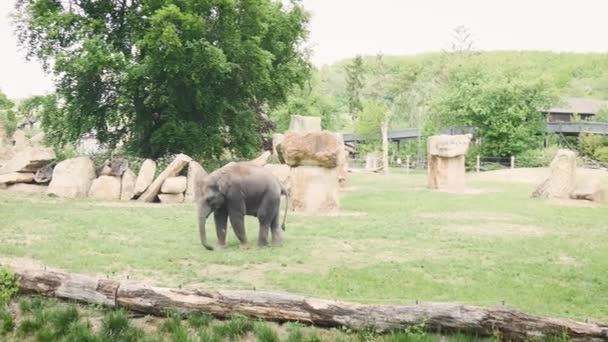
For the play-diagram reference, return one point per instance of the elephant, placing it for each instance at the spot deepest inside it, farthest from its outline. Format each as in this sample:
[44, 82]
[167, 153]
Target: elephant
[236, 190]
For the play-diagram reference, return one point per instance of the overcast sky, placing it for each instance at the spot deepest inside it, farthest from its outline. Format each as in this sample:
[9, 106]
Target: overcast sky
[344, 28]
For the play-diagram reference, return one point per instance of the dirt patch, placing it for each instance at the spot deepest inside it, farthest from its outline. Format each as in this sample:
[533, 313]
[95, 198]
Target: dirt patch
[566, 260]
[498, 230]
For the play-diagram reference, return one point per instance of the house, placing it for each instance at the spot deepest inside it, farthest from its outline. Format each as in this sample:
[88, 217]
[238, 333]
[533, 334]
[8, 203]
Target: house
[584, 108]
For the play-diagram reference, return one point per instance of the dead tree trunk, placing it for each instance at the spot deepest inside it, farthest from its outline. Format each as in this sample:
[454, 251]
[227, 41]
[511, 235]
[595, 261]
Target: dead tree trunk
[507, 324]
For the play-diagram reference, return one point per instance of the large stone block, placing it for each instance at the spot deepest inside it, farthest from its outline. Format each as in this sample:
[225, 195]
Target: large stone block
[590, 189]
[562, 180]
[314, 189]
[105, 187]
[196, 175]
[72, 178]
[312, 149]
[29, 160]
[17, 177]
[171, 198]
[176, 166]
[174, 185]
[305, 124]
[145, 177]
[446, 170]
[28, 188]
[127, 188]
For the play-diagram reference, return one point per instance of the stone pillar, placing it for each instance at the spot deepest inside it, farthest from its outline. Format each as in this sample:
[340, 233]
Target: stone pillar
[562, 181]
[446, 161]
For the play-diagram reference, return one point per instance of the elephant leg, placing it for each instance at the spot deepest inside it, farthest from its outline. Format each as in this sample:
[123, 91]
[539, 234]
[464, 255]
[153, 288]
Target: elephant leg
[237, 220]
[221, 222]
[277, 239]
[264, 230]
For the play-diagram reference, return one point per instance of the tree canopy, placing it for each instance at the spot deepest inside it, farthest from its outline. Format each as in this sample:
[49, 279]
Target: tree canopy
[166, 76]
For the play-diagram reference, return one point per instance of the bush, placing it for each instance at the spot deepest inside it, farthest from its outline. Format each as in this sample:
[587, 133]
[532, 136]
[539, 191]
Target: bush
[8, 286]
[601, 154]
[265, 333]
[7, 323]
[235, 328]
[589, 143]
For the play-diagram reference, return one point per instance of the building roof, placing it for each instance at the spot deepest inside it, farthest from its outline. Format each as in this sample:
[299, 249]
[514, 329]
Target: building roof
[578, 105]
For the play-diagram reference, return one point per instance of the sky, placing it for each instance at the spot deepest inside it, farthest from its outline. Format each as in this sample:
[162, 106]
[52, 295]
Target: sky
[344, 28]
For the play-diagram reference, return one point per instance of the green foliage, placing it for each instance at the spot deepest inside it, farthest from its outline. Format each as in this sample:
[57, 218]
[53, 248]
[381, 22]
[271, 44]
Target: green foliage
[601, 154]
[61, 320]
[535, 157]
[7, 322]
[116, 327]
[31, 304]
[370, 119]
[234, 328]
[207, 335]
[602, 115]
[294, 332]
[503, 107]
[594, 146]
[265, 333]
[173, 325]
[8, 286]
[199, 320]
[166, 76]
[355, 81]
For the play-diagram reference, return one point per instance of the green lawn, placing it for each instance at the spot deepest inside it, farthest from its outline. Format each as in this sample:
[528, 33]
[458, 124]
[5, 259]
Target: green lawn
[396, 242]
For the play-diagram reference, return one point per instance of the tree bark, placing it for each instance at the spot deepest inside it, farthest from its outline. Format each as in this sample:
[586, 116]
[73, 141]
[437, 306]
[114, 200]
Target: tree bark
[502, 322]
[45, 174]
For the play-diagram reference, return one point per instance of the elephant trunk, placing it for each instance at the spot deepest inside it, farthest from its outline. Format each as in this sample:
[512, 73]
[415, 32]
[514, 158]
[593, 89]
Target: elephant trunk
[204, 212]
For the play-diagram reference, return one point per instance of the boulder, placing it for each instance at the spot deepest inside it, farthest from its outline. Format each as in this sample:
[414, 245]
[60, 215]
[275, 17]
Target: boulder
[281, 171]
[312, 149]
[446, 170]
[305, 124]
[127, 188]
[27, 188]
[145, 177]
[45, 174]
[114, 167]
[174, 185]
[72, 178]
[105, 187]
[20, 141]
[176, 166]
[171, 198]
[17, 177]
[314, 189]
[589, 189]
[29, 160]
[196, 174]
[562, 180]
[277, 139]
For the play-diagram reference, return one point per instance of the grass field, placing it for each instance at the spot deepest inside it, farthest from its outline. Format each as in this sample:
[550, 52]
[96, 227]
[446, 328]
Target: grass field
[395, 242]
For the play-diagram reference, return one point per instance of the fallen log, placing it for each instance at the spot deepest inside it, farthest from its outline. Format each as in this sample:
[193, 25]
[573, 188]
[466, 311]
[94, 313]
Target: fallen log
[501, 322]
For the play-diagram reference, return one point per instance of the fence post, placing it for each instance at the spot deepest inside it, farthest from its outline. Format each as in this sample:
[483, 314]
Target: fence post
[478, 165]
[512, 162]
[407, 163]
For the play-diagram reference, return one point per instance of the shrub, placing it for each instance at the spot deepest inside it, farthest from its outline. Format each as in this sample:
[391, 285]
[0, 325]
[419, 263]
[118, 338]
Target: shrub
[7, 323]
[31, 305]
[601, 154]
[588, 144]
[8, 286]
[61, 320]
[116, 327]
[236, 327]
[531, 158]
[199, 320]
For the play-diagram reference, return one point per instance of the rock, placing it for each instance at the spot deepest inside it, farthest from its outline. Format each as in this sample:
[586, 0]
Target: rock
[45, 174]
[20, 141]
[314, 189]
[281, 171]
[261, 160]
[29, 160]
[28, 188]
[305, 124]
[180, 161]
[277, 139]
[562, 180]
[145, 177]
[312, 149]
[127, 188]
[105, 187]
[448, 146]
[17, 177]
[171, 198]
[38, 140]
[196, 175]
[446, 161]
[72, 178]
[114, 167]
[174, 185]
[589, 189]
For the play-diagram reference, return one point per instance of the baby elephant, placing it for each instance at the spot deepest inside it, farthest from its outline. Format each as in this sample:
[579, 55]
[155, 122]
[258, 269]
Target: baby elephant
[237, 190]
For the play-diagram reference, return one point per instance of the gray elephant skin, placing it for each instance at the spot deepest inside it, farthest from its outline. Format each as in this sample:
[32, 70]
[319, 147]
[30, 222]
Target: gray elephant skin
[237, 190]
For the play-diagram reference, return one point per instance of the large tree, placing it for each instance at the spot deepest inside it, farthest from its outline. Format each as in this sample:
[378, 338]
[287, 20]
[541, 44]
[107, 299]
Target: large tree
[167, 76]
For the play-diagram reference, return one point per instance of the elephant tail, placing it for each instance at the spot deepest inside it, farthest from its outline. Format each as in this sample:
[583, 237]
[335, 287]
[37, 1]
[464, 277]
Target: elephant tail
[286, 193]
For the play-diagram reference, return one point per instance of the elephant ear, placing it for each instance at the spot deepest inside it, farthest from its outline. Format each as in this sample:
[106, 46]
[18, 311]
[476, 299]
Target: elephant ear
[223, 183]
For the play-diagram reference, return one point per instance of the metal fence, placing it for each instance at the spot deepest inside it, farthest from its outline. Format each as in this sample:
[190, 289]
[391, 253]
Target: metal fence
[478, 164]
